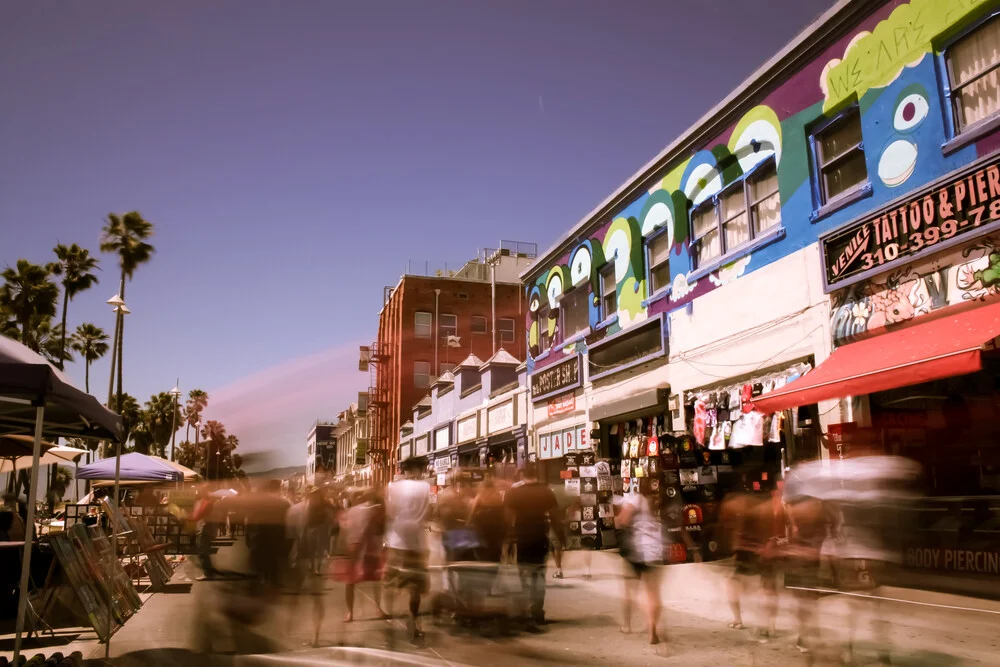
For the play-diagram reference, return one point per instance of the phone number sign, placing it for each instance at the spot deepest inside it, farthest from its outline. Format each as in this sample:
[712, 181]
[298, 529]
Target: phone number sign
[926, 222]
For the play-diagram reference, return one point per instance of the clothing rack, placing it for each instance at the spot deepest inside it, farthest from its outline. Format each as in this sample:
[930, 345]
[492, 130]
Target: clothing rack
[800, 369]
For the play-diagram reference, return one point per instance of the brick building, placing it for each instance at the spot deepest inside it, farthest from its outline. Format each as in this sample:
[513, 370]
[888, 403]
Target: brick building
[428, 324]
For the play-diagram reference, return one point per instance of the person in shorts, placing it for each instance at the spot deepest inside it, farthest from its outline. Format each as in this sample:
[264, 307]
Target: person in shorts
[408, 504]
[532, 510]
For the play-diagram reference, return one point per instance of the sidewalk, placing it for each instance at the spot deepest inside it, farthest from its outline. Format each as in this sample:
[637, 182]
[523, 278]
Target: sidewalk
[585, 618]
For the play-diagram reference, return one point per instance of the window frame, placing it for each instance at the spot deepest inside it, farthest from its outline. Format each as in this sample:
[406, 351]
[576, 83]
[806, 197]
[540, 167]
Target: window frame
[582, 290]
[513, 330]
[430, 324]
[607, 276]
[416, 374]
[648, 242]
[442, 370]
[443, 329]
[544, 315]
[822, 202]
[960, 137]
[715, 202]
[486, 324]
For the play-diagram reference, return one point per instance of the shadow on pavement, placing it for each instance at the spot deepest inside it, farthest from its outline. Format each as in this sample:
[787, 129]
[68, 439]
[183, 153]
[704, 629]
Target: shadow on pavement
[44, 641]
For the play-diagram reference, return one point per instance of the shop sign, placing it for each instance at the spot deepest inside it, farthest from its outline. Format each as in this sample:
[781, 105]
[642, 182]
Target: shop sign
[468, 428]
[500, 417]
[556, 379]
[921, 224]
[442, 464]
[421, 446]
[953, 560]
[839, 437]
[442, 439]
[562, 405]
[627, 349]
[556, 444]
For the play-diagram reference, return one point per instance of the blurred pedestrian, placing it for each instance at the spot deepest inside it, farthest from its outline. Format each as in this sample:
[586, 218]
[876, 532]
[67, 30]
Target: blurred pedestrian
[363, 561]
[641, 548]
[204, 515]
[408, 503]
[754, 524]
[532, 510]
[320, 517]
[267, 538]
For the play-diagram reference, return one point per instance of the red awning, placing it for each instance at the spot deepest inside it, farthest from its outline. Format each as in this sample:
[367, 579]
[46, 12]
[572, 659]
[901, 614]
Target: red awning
[936, 348]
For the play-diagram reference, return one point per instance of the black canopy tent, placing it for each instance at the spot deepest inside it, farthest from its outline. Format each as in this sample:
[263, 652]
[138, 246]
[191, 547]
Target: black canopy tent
[39, 400]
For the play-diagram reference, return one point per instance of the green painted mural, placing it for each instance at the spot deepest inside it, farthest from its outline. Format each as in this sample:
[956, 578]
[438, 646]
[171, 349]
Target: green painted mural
[875, 59]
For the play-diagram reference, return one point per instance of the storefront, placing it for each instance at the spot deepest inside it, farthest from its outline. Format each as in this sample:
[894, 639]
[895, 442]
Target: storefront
[915, 316]
[558, 416]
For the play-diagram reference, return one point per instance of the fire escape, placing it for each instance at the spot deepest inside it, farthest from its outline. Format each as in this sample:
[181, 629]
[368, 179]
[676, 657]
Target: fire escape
[381, 442]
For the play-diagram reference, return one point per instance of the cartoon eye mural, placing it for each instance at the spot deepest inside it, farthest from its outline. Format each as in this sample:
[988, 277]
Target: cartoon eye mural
[911, 108]
[756, 138]
[618, 247]
[658, 212]
[554, 287]
[899, 157]
[708, 172]
[580, 266]
[534, 299]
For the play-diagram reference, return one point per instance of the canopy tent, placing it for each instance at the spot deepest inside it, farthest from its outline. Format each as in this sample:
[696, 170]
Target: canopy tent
[189, 475]
[135, 467]
[39, 400]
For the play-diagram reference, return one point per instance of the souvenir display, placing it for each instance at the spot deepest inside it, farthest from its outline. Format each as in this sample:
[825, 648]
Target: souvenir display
[89, 591]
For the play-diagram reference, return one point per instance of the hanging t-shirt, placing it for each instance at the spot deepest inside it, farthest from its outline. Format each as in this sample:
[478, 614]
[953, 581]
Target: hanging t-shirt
[700, 421]
[748, 431]
[775, 433]
[718, 439]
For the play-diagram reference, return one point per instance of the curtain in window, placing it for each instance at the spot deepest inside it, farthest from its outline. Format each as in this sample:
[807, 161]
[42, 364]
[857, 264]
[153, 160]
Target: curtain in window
[767, 206]
[969, 58]
[734, 213]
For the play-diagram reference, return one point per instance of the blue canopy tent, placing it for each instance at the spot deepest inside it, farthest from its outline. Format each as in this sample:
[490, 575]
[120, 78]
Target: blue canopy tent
[135, 467]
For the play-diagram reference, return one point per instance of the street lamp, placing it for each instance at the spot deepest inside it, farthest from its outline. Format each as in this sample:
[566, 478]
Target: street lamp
[176, 393]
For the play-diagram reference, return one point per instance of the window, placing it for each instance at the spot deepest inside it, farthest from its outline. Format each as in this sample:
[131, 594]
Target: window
[658, 259]
[765, 202]
[705, 230]
[478, 324]
[609, 293]
[840, 157]
[422, 325]
[445, 368]
[448, 324]
[575, 313]
[973, 65]
[421, 374]
[544, 339]
[739, 214]
[505, 326]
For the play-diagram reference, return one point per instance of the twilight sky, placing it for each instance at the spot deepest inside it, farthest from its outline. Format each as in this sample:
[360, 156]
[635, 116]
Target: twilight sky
[294, 155]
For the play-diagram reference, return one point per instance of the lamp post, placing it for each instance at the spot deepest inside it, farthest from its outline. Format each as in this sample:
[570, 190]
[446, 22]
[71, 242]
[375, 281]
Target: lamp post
[120, 310]
[176, 393]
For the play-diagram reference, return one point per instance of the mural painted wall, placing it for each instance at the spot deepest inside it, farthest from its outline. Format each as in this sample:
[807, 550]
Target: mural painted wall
[971, 273]
[888, 66]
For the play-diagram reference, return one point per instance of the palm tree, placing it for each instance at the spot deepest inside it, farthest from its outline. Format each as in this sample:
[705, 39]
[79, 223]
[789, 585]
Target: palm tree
[26, 296]
[92, 344]
[125, 236]
[75, 266]
[196, 404]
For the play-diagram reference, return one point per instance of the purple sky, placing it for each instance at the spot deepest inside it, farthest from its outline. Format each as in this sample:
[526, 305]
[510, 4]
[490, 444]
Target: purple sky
[294, 155]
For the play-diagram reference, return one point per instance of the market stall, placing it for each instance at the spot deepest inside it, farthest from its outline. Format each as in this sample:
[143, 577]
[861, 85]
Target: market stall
[37, 399]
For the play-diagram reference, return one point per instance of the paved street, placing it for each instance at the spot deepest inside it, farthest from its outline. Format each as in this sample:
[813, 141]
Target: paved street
[585, 618]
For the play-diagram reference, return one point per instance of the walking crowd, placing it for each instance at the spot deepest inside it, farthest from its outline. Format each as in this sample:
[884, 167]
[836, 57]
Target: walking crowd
[483, 528]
